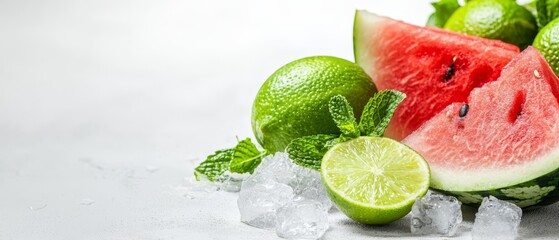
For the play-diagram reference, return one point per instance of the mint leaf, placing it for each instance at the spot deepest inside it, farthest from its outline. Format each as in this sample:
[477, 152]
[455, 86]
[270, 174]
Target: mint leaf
[308, 151]
[547, 11]
[343, 116]
[243, 158]
[246, 157]
[531, 6]
[214, 165]
[443, 10]
[378, 112]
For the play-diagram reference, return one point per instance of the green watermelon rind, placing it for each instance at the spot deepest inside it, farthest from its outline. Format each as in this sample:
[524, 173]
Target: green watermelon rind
[528, 185]
[530, 194]
[495, 178]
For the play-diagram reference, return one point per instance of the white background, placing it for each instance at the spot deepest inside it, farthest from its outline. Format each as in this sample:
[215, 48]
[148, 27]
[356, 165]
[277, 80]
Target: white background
[106, 107]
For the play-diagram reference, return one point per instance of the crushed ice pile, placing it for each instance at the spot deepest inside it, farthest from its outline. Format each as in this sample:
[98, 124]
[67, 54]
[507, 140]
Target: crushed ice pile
[436, 214]
[496, 219]
[285, 196]
[291, 199]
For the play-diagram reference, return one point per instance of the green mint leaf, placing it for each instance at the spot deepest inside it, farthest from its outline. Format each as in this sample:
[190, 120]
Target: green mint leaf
[433, 21]
[308, 151]
[214, 165]
[246, 157]
[547, 11]
[532, 7]
[331, 143]
[343, 116]
[378, 112]
[243, 158]
[443, 10]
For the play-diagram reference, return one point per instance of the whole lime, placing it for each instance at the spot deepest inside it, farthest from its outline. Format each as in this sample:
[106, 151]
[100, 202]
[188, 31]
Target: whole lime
[504, 20]
[293, 102]
[547, 42]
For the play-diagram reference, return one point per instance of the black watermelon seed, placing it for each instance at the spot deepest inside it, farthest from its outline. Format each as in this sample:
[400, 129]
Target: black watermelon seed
[464, 110]
[449, 72]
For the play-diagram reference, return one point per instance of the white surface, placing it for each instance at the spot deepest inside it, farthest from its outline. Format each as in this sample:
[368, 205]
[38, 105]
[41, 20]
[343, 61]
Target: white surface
[106, 106]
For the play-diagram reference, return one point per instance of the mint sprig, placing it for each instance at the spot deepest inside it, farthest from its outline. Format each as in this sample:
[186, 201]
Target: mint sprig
[308, 151]
[214, 165]
[246, 157]
[343, 116]
[547, 10]
[378, 112]
[243, 158]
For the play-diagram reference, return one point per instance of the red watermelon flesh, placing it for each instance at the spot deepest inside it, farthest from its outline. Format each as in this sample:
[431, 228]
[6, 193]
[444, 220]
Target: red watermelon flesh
[508, 135]
[434, 67]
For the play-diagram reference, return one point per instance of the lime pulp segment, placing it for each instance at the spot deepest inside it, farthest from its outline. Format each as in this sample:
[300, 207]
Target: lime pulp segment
[376, 172]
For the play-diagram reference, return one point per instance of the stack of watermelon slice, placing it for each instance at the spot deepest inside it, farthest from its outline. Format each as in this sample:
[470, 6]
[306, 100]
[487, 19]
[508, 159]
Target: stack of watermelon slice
[485, 117]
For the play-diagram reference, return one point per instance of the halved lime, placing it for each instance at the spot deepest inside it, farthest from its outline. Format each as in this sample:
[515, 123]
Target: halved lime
[374, 180]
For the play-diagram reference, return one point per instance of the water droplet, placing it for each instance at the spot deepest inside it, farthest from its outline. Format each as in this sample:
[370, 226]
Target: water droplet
[91, 163]
[87, 201]
[37, 206]
[152, 169]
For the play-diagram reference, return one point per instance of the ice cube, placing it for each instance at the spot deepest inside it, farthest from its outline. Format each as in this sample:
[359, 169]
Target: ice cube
[301, 219]
[275, 182]
[308, 184]
[496, 219]
[258, 202]
[436, 214]
[277, 167]
[304, 178]
[231, 182]
[318, 194]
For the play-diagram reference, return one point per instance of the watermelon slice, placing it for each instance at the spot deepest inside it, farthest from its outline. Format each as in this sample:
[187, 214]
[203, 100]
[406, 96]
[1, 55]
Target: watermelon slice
[434, 67]
[503, 141]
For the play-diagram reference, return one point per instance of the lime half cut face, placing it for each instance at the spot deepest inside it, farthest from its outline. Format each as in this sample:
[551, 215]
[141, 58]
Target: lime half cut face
[374, 180]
